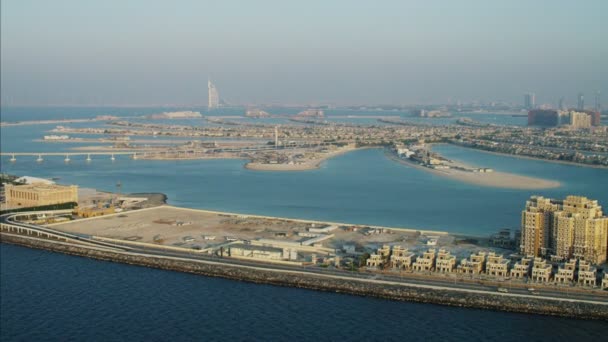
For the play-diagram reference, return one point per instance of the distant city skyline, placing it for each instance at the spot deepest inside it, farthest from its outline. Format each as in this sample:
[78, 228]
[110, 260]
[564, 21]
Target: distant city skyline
[67, 52]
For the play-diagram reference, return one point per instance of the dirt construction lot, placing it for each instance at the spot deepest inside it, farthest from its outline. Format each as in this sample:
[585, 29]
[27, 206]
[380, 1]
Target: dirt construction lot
[172, 226]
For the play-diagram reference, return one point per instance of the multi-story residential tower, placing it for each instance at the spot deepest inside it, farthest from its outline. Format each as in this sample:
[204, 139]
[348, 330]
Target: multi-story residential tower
[581, 101]
[572, 228]
[214, 97]
[588, 228]
[580, 119]
[536, 226]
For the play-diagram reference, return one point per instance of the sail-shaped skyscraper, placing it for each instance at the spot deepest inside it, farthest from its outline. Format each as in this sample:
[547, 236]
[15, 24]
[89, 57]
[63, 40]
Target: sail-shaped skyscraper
[214, 97]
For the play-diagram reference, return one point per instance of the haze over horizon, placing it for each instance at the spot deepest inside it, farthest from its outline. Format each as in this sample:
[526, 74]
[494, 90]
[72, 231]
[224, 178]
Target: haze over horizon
[74, 52]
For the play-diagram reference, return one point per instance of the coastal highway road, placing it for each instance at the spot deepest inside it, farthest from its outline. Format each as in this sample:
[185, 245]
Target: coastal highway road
[396, 279]
[412, 280]
[388, 280]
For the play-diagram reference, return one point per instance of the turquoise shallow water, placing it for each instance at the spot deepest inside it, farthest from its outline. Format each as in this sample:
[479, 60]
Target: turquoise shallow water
[359, 187]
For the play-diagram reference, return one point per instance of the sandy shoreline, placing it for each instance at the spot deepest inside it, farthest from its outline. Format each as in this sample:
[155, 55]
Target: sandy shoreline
[309, 165]
[495, 179]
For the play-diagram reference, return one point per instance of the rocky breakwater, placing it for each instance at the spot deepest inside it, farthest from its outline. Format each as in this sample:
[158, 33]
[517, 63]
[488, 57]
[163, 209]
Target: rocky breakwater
[331, 284]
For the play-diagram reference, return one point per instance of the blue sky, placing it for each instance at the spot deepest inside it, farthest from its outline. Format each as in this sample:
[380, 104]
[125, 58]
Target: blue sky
[344, 52]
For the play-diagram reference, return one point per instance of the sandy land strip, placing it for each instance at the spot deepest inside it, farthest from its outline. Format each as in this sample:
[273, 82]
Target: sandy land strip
[535, 158]
[44, 122]
[109, 141]
[495, 179]
[309, 165]
[362, 117]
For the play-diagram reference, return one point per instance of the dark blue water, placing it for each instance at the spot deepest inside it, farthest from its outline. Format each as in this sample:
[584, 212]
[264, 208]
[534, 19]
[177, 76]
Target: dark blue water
[54, 297]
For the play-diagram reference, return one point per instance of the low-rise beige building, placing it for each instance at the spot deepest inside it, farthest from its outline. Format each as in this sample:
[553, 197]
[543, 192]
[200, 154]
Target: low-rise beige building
[521, 269]
[445, 262]
[541, 270]
[39, 194]
[379, 259]
[496, 265]
[426, 262]
[401, 258]
[473, 265]
[375, 261]
[565, 273]
[255, 252]
[587, 274]
[385, 251]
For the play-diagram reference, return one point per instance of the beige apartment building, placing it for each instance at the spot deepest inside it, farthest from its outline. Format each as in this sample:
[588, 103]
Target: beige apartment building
[445, 262]
[385, 251]
[473, 265]
[565, 273]
[39, 194]
[541, 271]
[496, 265]
[374, 261]
[426, 262]
[377, 260]
[521, 269]
[401, 258]
[536, 222]
[572, 228]
[580, 120]
[582, 230]
[587, 274]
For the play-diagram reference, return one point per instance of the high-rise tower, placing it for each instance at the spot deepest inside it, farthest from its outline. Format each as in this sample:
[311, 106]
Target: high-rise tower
[529, 101]
[581, 101]
[276, 136]
[598, 105]
[536, 226]
[214, 97]
[574, 227]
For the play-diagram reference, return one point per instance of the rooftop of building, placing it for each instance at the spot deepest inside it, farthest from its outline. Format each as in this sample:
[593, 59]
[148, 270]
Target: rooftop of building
[43, 187]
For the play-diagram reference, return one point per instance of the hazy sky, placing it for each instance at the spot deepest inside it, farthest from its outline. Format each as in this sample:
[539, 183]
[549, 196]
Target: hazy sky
[345, 52]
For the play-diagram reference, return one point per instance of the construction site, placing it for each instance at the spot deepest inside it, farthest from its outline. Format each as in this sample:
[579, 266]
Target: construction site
[257, 238]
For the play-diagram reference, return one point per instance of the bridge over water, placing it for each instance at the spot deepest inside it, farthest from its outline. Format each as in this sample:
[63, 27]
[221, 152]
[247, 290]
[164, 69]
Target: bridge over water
[68, 155]
[186, 153]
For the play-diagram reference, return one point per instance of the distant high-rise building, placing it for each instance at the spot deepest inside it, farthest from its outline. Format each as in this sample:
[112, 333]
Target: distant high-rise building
[598, 105]
[561, 105]
[529, 101]
[581, 101]
[596, 117]
[276, 136]
[580, 119]
[543, 117]
[214, 97]
[574, 227]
